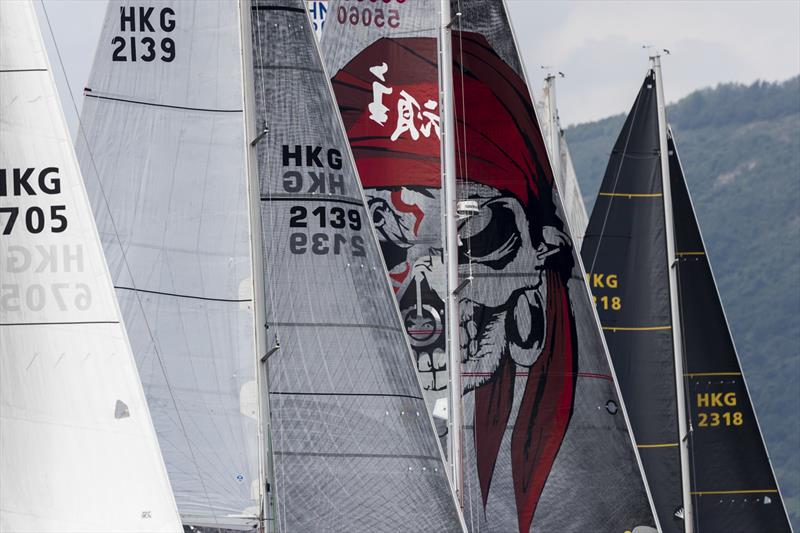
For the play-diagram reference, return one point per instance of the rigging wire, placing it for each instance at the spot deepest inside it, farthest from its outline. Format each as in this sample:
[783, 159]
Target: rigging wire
[129, 270]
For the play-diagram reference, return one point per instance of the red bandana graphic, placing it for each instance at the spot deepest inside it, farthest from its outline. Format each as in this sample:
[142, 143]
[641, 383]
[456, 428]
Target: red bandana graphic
[388, 89]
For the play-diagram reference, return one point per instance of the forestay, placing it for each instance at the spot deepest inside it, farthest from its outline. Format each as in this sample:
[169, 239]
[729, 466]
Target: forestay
[164, 149]
[353, 443]
[78, 451]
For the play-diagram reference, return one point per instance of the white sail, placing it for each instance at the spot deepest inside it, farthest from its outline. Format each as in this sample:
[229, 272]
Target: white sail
[77, 447]
[164, 145]
[566, 179]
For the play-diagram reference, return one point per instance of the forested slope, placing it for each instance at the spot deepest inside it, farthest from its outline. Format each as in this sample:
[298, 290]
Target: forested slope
[740, 148]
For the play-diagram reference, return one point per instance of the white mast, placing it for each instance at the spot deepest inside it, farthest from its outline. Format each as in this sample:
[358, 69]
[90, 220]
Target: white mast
[554, 132]
[255, 132]
[454, 455]
[677, 334]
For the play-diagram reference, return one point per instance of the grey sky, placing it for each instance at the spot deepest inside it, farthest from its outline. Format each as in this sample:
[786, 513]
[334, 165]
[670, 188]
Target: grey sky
[597, 44]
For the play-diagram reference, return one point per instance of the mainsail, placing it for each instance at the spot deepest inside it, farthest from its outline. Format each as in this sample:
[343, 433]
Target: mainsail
[77, 447]
[727, 482]
[546, 444]
[234, 204]
[163, 145]
[353, 442]
[568, 187]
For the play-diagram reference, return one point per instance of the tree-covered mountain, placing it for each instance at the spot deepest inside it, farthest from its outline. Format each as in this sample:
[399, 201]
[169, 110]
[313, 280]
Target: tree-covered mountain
[740, 149]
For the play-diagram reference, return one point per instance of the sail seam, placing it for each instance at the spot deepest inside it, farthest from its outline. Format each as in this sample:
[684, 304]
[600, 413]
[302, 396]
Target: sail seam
[336, 325]
[375, 455]
[278, 8]
[631, 195]
[78, 322]
[189, 296]
[24, 70]
[363, 394]
[320, 198]
[629, 328]
[155, 104]
[754, 491]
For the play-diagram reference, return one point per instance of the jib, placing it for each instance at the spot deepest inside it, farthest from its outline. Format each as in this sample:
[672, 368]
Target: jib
[21, 182]
[128, 18]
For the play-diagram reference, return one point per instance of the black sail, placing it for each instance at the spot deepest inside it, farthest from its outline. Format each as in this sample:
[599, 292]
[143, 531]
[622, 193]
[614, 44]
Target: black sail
[733, 486]
[625, 255]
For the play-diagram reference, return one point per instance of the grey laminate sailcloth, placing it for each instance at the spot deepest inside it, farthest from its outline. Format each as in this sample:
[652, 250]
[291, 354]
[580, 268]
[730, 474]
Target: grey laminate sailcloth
[353, 443]
[163, 149]
[546, 444]
[208, 212]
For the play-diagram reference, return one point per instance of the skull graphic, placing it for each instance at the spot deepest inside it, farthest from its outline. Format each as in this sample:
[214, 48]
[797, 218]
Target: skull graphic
[517, 337]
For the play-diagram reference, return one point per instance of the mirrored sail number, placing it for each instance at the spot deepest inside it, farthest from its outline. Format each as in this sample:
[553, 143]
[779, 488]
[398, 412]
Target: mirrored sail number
[66, 296]
[139, 20]
[323, 243]
[365, 15]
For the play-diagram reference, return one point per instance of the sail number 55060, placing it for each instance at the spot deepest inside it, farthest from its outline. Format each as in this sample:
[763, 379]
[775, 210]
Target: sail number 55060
[368, 16]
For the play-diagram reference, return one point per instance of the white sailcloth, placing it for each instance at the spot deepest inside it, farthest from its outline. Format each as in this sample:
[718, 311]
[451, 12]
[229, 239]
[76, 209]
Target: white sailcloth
[567, 180]
[164, 123]
[77, 447]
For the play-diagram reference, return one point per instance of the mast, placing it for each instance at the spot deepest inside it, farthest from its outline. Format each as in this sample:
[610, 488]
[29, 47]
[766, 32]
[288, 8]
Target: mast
[454, 388]
[253, 133]
[553, 130]
[677, 340]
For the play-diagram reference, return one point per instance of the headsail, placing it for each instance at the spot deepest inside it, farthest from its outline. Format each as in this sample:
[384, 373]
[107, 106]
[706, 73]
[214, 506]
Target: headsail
[353, 443]
[733, 485]
[541, 405]
[78, 451]
[164, 121]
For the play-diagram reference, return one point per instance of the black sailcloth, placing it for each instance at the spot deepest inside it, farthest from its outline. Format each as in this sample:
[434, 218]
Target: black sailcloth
[625, 254]
[733, 486]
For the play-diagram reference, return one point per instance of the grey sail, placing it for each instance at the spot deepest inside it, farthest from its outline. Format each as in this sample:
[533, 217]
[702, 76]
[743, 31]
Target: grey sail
[162, 146]
[353, 445]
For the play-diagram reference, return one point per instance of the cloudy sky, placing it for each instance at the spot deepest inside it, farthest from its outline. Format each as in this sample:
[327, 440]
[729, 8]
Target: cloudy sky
[597, 44]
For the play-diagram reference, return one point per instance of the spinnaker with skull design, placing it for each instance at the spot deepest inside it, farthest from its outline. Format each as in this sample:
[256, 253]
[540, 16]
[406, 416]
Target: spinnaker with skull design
[269, 341]
[546, 444]
[694, 423]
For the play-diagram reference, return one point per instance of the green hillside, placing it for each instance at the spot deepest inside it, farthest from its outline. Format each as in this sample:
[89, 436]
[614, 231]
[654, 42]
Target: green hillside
[740, 148]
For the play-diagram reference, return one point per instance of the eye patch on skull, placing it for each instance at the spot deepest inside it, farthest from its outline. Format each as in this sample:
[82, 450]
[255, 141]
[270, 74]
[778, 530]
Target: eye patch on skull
[491, 237]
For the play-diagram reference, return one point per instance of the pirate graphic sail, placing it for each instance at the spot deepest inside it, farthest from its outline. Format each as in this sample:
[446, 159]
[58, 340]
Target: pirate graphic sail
[486, 274]
[665, 327]
[288, 399]
[78, 451]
